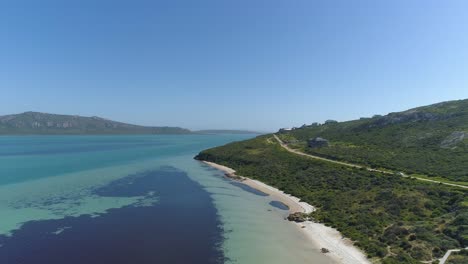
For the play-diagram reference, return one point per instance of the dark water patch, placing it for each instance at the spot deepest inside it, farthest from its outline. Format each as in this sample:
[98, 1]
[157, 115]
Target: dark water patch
[183, 227]
[227, 195]
[45, 203]
[218, 187]
[279, 205]
[249, 189]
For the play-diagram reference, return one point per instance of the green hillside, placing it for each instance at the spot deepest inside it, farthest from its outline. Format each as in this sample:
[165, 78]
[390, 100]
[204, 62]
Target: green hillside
[42, 123]
[393, 219]
[430, 140]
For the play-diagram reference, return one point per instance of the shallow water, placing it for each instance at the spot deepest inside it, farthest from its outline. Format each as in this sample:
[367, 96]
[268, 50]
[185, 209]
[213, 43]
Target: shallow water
[140, 199]
[279, 205]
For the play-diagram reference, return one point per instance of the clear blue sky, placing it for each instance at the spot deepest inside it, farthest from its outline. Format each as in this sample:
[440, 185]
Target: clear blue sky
[231, 64]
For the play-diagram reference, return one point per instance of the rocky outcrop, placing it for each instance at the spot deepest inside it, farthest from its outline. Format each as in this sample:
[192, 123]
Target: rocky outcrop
[453, 139]
[406, 117]
[298, 217]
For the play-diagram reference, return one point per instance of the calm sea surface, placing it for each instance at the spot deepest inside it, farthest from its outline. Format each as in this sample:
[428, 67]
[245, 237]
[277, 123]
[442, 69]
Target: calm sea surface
[135, 199]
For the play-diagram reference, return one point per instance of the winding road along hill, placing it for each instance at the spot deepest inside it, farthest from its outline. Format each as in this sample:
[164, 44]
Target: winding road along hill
[430, 140]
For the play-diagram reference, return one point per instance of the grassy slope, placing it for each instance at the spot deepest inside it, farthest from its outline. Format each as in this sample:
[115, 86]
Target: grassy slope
[409, 141]
[458, 257]
[393, 219]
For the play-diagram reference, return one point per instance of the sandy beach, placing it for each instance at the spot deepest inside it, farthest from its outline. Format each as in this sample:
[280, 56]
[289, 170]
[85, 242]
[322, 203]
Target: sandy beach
[340, 249]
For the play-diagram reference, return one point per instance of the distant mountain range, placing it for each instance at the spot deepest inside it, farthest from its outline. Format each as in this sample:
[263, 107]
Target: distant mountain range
[36, 123]
[43, 123]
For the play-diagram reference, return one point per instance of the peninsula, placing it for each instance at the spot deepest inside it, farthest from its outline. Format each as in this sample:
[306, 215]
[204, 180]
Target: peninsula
[372, 197]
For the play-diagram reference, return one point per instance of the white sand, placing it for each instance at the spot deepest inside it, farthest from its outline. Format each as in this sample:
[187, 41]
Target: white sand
[341, 249]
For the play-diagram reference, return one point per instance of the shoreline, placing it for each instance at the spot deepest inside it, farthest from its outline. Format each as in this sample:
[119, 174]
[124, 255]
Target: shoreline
[340, 249]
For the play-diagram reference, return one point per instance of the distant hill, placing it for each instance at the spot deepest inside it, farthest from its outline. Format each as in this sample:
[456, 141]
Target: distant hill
[43, 123]
[431, 140]
[221, 131]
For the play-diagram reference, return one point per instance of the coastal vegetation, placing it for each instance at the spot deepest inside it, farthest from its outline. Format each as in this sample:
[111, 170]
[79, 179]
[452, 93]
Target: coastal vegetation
[460, 257]
[393, 219]
[431, 141]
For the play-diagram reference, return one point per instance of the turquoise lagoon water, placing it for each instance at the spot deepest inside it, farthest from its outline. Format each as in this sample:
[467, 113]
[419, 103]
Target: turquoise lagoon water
[140, 199]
